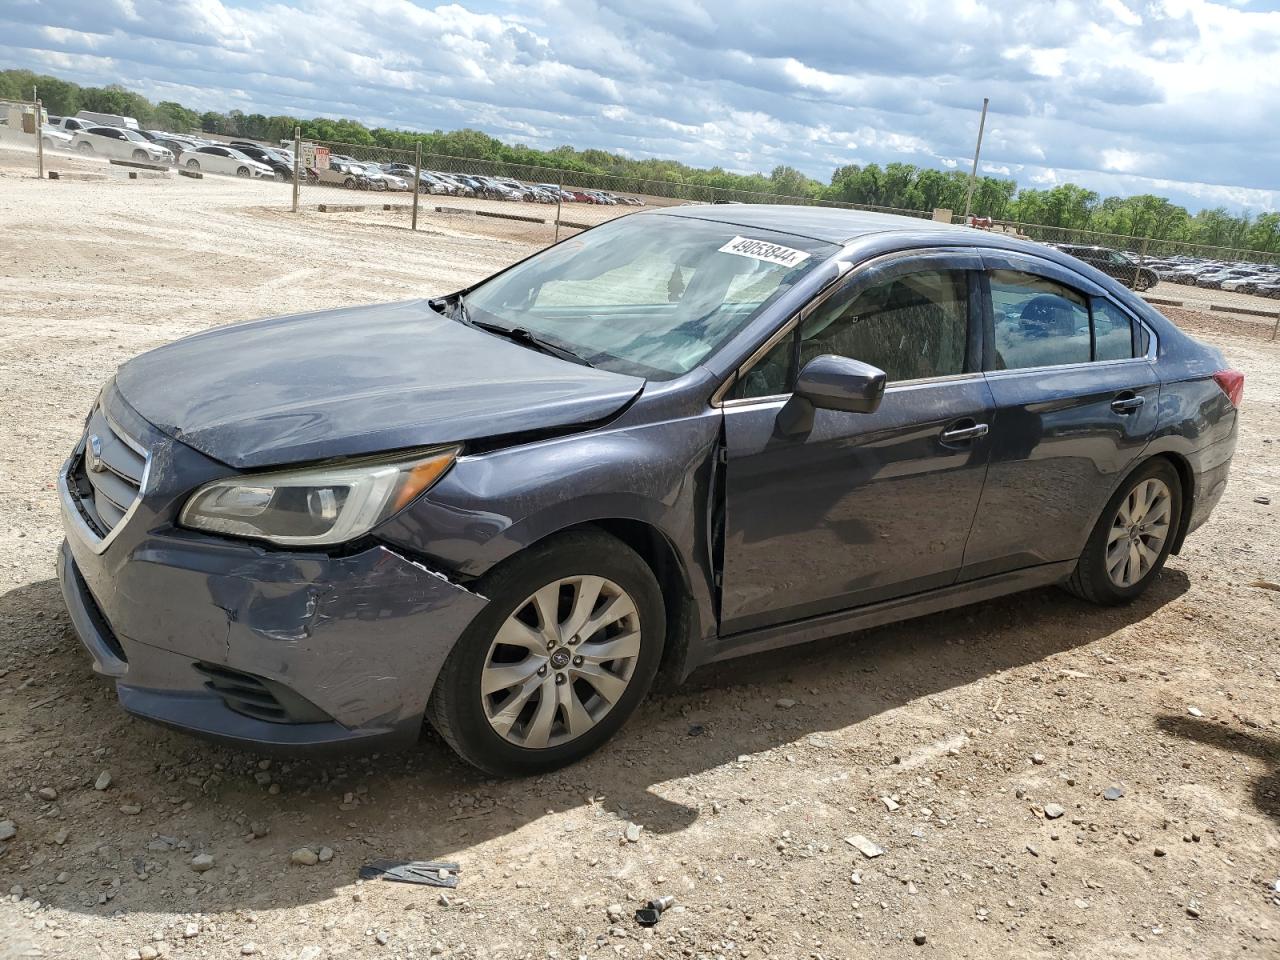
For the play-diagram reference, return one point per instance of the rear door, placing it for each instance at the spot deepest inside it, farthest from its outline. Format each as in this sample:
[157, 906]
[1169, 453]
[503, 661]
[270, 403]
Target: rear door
[862, 507]
[1076, 400]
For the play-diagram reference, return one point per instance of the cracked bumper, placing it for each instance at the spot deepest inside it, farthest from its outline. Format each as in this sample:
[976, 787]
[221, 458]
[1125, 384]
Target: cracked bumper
[361, 638]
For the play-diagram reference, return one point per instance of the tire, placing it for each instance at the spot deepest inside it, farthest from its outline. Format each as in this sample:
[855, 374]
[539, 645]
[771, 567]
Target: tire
[349, 183]
[193, 164]
[1142, 284]
[459, 709]
[280, 177]
[85, 148]
[139, 155]
[46, 143]
[1092, 580]
[242, 171]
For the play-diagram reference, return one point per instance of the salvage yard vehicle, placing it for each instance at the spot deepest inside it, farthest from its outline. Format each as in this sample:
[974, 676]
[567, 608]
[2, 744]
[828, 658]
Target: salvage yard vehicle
[119, 144]
[682, 436]
[1114, 263]
[213, 158]
[339, 173]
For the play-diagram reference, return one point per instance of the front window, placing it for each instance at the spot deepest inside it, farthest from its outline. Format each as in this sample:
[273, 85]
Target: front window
[134, 135]
[651, 296]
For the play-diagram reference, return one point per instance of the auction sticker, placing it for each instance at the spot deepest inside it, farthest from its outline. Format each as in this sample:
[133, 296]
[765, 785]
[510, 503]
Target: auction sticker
[762, 250]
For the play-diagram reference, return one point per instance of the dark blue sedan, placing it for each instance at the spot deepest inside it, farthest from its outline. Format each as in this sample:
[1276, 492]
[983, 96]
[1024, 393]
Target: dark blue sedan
[682, 436]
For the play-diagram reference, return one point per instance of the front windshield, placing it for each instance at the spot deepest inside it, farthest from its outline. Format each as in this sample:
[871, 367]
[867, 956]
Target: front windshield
[648, 295]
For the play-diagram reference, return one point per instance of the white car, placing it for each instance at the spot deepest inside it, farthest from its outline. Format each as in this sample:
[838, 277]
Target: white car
[381, 180]
[55, 138]
[119, 144]
[216, 159]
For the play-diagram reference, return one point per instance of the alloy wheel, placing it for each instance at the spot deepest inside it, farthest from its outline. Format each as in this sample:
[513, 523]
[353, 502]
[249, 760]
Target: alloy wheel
[560, 661]
[1138, 532]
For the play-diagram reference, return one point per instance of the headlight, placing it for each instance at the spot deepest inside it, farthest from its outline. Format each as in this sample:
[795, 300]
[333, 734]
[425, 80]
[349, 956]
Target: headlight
[315, 506]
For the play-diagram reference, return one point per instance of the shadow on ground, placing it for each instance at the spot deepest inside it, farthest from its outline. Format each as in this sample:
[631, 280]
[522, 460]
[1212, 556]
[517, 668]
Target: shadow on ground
[1266, 788]
[423, 803]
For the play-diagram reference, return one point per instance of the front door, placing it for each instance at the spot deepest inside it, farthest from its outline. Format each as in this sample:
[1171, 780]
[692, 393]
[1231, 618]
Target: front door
[861, 507]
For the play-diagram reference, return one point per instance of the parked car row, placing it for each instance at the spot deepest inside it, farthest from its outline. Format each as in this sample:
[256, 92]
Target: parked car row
[1260, 279]
[353, 174]
[239, 158]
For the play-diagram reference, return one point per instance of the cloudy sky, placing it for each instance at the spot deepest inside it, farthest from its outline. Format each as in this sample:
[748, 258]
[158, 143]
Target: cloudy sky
[1176, 97]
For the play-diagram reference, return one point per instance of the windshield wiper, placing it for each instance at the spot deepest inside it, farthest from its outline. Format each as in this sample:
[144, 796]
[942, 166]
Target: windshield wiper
[525, 338]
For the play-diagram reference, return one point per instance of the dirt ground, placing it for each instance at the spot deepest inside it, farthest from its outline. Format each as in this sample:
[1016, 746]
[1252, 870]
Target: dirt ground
[746, 783]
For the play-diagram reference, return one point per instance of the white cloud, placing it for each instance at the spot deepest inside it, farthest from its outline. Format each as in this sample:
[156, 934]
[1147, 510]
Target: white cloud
[1126, 94]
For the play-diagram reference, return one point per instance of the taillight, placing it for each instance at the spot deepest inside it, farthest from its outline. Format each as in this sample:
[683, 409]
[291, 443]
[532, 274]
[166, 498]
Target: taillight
[1232, 384]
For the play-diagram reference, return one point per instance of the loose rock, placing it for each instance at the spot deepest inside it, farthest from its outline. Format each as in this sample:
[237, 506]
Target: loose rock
[864, 846]
[304, 857]
[1052, 811]
[48, 793]
[632, 833]
[8, 829]
[202, 862]
[103, 781]
[919, 939]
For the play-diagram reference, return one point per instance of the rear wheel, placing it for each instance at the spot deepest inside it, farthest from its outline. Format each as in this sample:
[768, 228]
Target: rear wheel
[46, 143]
[1142, 283]
[349, 183]
[85, 147]
[563, 654]
[1131, 541]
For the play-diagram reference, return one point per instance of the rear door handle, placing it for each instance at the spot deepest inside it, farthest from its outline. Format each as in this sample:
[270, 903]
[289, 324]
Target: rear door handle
[1123, 404]
[961, 434]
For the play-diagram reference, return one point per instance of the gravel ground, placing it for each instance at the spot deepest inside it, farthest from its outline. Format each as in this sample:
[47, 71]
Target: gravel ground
[975, 748]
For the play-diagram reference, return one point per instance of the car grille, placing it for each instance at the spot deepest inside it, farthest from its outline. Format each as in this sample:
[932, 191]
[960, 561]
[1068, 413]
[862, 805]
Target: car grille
[109, 474]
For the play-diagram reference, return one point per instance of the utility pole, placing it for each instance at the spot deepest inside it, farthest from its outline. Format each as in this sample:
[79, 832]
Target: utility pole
[973, 174]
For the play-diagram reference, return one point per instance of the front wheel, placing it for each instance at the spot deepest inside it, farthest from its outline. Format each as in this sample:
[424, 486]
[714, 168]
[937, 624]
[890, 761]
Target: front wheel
[139, 155]
[1142, 284]
[563, 654]
[193, 164]
[1131, 541]
[242, 171]
[85, 148]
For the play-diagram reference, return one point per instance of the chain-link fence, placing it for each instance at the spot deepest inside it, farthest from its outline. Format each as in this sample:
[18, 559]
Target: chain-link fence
[408, 188]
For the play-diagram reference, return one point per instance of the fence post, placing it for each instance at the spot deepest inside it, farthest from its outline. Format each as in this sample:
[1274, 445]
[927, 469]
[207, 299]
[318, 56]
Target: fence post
[1142, 258]
[559, 190]
[297, 164]
[417, 181]
[39, 141]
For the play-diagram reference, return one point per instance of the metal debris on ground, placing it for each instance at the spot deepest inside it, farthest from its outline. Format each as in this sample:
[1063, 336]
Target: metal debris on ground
[430, 873]
[652, 912]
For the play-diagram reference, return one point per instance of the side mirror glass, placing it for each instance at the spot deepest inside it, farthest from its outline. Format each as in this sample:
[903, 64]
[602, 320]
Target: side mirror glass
[829, 382]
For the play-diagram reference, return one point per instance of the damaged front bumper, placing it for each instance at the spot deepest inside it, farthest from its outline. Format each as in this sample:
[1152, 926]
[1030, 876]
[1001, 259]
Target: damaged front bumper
[259, 647]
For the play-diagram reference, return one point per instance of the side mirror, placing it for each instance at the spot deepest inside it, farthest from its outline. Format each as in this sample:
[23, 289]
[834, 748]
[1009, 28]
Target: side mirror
[829, 382]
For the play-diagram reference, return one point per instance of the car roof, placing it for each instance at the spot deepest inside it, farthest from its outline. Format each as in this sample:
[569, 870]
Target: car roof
[828, 224]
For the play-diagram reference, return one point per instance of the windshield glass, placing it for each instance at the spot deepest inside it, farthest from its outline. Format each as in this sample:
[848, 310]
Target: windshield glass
[134, 135]
[648, 295]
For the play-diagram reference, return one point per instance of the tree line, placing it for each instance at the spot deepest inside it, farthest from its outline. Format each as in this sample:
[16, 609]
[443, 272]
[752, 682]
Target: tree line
[895, 185]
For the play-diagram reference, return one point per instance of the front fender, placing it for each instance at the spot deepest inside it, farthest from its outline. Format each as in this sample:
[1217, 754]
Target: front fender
[490, 506]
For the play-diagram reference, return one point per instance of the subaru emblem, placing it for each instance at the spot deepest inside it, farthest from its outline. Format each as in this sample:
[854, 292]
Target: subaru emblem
[95, 454]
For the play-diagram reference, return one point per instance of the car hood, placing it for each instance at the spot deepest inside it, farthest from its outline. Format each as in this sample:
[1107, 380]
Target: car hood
[357, 381]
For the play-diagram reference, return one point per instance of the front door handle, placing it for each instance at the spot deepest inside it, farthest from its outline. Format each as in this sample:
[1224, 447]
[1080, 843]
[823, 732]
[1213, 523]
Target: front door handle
[961, 434]
[1127, 404]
